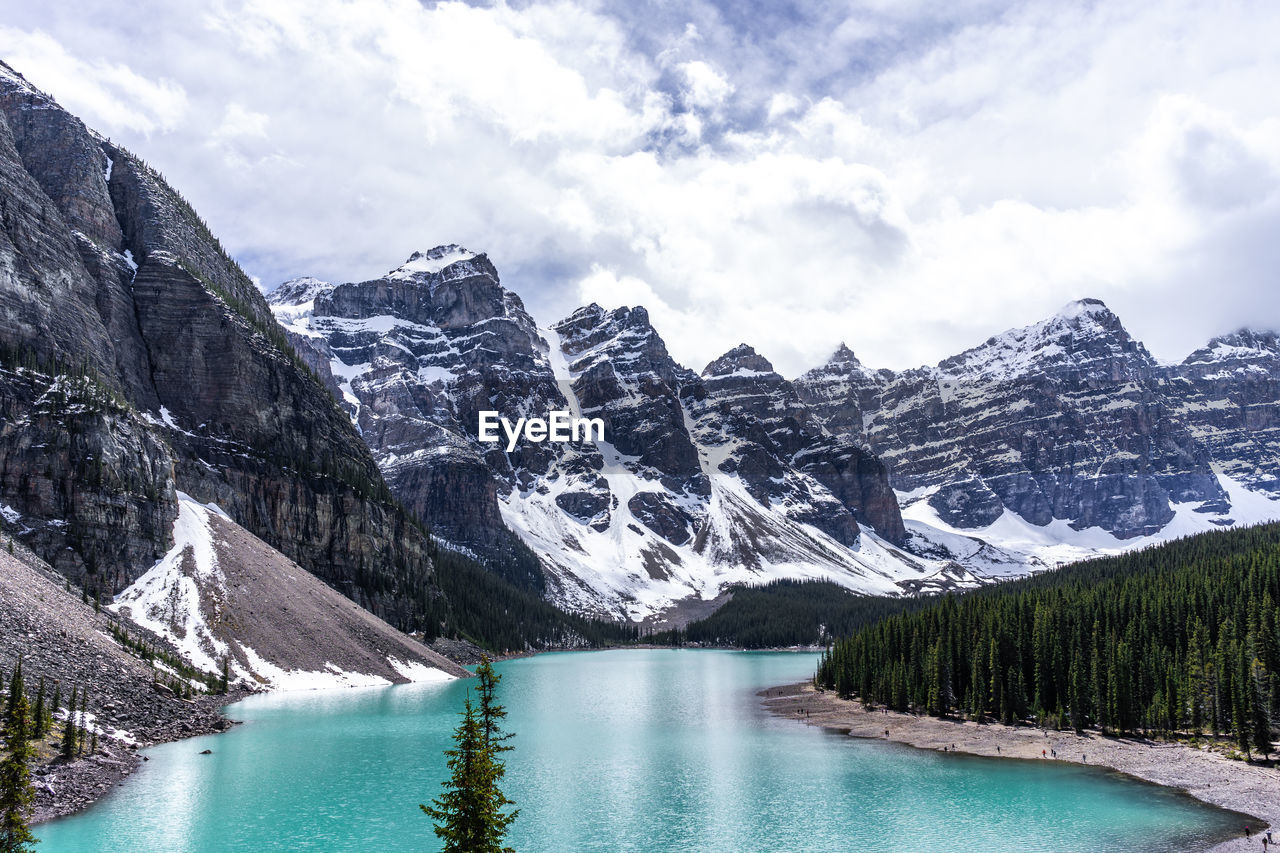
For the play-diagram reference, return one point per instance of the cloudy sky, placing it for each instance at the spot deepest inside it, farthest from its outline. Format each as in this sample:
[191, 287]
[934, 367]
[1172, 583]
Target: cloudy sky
[908, 176]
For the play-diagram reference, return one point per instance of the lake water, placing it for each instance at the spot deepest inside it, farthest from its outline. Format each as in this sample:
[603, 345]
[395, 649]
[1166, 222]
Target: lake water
[632, 750]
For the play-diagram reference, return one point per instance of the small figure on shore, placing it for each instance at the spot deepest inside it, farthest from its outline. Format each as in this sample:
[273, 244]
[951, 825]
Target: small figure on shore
[997, 749]
[1044, 754]
[1248, 833]
[886, 732]
[1053, 752]
[1084, 757]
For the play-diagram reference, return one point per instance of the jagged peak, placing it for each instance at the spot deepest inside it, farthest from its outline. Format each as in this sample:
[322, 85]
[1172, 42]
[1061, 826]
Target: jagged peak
[432, 261]
[1242, 344]
[298, 290]
[1088, 306]
[594, 315]
[844, 357]
[742, 360]
[1082, 330]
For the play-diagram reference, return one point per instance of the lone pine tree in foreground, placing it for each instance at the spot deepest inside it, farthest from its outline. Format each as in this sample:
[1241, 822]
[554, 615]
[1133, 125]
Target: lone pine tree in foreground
[470, 815]
[16, 794]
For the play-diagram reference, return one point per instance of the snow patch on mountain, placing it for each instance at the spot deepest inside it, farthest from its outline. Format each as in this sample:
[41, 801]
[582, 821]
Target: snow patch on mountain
[186, 597]
[1011, 546]
[623, 568]
[432, 261]
[169, 598]
[293, 302]
[1076, 335]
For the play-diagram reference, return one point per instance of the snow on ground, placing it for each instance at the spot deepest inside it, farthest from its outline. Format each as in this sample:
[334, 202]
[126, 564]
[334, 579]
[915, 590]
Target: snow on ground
[628, 570]
[89, 722]
[431, 262]
[1011, 545]
[167, 598]
[278, 678]
[182, 598]
[418, 672]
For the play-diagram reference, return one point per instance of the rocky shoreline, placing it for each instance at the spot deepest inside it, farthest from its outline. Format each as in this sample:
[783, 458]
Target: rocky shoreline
[1251, 790]
[66, 787]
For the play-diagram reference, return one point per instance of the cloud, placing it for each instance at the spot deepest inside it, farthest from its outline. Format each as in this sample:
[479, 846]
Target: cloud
[908, 178]
[107, 93]
[705, 88]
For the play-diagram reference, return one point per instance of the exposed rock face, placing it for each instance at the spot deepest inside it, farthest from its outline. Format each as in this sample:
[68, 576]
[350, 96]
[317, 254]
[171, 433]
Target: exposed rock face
[1228, 395]
[699, 481]
[223, 597]
[775, 429]
[108, 279]
[1070, 419]
[417, 355]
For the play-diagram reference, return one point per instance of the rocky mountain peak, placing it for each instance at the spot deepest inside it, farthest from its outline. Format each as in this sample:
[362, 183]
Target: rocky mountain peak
[297, 291]
[1242, 345]
[844, 357]
[1084, 340]
[432, 261]
[742, 360]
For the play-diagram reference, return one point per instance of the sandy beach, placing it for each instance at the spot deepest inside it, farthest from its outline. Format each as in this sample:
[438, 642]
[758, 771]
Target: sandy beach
[1251, 790]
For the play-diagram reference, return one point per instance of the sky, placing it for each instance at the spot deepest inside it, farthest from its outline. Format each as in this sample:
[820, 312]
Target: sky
[906, 176]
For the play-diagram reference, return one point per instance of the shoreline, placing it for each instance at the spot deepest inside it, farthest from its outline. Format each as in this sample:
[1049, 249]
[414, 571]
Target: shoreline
[1251, 791]
[65, 788]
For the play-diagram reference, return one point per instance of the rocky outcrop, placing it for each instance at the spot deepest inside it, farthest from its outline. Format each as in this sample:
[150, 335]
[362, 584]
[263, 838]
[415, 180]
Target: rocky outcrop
[1069, 418]
[1228, 395]
[108, 278]
[64, 643]
[697, 481]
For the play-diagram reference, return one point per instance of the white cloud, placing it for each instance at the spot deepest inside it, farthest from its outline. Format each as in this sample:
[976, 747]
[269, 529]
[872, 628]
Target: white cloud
[909, 179]
[108, 93]
[705, 87]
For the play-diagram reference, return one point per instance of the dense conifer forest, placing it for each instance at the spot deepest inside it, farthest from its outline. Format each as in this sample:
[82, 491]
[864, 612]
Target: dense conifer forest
[791, 613]
[490, 611]
[1179, 638]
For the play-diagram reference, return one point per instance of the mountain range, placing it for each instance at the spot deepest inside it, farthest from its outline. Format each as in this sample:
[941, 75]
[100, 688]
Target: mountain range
[1044, 444]
[146, 381]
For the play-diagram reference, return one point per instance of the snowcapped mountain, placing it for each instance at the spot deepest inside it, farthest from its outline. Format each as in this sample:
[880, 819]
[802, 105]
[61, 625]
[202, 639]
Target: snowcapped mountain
[701, 481]
[1228, 394]
[1065, 437]
[1042, 445]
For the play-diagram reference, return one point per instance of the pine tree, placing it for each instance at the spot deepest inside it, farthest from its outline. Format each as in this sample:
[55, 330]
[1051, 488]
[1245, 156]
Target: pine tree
[16, 794]
[470, 815]
[69, 729]
[54, 705]
[1259, 698]
[38, 714]
[84, 721]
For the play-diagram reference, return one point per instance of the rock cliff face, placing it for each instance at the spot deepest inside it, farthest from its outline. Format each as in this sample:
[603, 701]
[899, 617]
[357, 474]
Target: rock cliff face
[700, 481]
[139, 360]
[1228, 395]
[1068, 419]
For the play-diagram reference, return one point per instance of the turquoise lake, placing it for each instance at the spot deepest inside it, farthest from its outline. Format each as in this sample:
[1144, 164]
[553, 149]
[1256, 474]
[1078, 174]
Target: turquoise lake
[631, 750]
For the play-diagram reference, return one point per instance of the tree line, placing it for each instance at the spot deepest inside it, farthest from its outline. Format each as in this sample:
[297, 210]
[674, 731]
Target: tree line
[790, 613]
[1178, 638]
